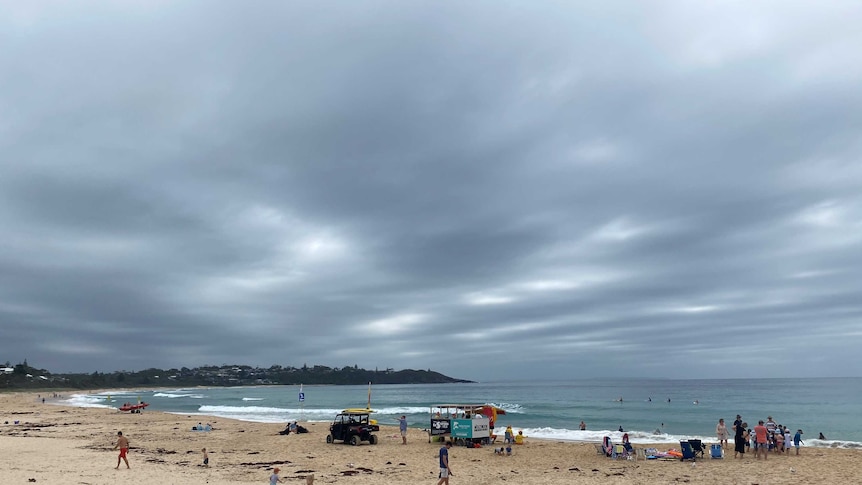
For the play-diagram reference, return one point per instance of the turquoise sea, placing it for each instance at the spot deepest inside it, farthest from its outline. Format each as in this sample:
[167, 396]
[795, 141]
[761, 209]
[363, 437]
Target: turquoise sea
[654, 411]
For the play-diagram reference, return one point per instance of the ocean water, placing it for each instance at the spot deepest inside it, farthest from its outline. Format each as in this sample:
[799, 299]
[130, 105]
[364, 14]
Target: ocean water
[651, 411]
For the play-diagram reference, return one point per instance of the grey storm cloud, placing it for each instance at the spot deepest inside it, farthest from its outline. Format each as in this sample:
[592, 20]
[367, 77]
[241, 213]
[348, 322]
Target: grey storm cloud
[492, 190]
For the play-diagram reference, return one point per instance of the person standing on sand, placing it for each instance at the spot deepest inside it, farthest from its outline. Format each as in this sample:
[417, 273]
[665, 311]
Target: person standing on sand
[761, 440]
[273, 479]
[206, 457]
[445, 471]
[721, 433]
[402, 425]
[123, 445]
[738, 438]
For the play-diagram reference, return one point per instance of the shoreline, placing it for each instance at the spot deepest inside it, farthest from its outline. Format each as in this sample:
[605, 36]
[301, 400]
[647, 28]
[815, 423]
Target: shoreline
[638, 437]
[76, 444]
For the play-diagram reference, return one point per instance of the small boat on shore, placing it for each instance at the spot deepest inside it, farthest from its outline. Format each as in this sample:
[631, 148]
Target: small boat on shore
[134, 408]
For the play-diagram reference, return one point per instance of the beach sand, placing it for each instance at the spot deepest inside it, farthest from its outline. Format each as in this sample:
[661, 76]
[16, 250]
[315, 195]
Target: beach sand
[65, 445]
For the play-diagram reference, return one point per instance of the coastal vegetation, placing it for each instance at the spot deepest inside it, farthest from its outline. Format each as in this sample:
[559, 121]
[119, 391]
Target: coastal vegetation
[23, 376]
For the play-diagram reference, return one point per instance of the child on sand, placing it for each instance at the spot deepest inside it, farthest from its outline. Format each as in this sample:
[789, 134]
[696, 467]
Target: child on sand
[206, 457]
[509, 435]
[273, 479]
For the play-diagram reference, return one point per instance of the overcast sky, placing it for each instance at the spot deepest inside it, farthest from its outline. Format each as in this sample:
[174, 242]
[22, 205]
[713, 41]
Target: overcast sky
[494, 190]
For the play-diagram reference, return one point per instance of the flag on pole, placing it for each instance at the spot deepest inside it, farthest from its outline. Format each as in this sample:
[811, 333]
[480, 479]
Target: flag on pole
[301, 394]
[369, 396]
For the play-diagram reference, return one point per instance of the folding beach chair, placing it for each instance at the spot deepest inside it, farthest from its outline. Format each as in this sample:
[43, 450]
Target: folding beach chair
[607, 446]
[621, 451]
[687, 451]
[697, 447]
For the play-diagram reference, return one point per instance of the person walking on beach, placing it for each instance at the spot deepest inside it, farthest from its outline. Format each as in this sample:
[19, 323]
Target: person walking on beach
[123, 444]
[445, 471]
[206, 457]
[797, 440]
[402, 425]
[273, 479]
[721, 433]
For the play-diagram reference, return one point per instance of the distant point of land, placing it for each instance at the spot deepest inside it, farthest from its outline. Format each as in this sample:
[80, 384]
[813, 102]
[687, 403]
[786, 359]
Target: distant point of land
[22, 376]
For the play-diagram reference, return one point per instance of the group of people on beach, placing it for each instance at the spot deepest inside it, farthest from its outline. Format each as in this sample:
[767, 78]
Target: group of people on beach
[122, 443]
[766, 437]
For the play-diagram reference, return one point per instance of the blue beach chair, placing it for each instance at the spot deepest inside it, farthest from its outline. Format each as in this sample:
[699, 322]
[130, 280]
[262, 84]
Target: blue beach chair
[687, 451]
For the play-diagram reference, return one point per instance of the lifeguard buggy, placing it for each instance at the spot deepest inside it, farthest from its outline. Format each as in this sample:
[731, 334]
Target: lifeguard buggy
[353, 426]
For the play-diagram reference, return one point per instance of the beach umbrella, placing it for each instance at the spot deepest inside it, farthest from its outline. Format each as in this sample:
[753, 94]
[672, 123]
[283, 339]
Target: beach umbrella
[492, 412]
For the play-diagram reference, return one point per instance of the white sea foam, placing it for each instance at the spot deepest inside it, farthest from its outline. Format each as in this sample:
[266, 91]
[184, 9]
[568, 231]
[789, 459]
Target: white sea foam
[267, 414]
[178, 394]
[252, 399]
[509, 407]
[399, 410]
[241, 409]
[264, 414]
[88, 401]
[832, 444]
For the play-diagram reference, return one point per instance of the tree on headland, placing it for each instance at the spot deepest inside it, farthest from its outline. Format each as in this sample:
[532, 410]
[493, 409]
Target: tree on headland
[225, 375]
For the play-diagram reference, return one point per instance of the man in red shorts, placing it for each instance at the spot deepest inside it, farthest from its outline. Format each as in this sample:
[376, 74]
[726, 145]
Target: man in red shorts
[123, 445]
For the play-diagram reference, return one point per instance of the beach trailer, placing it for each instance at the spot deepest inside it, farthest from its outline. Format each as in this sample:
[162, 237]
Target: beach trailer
[462, 422]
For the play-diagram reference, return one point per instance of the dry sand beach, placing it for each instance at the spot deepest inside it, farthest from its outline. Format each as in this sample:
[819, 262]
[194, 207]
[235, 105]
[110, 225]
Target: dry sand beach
[65, 445]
